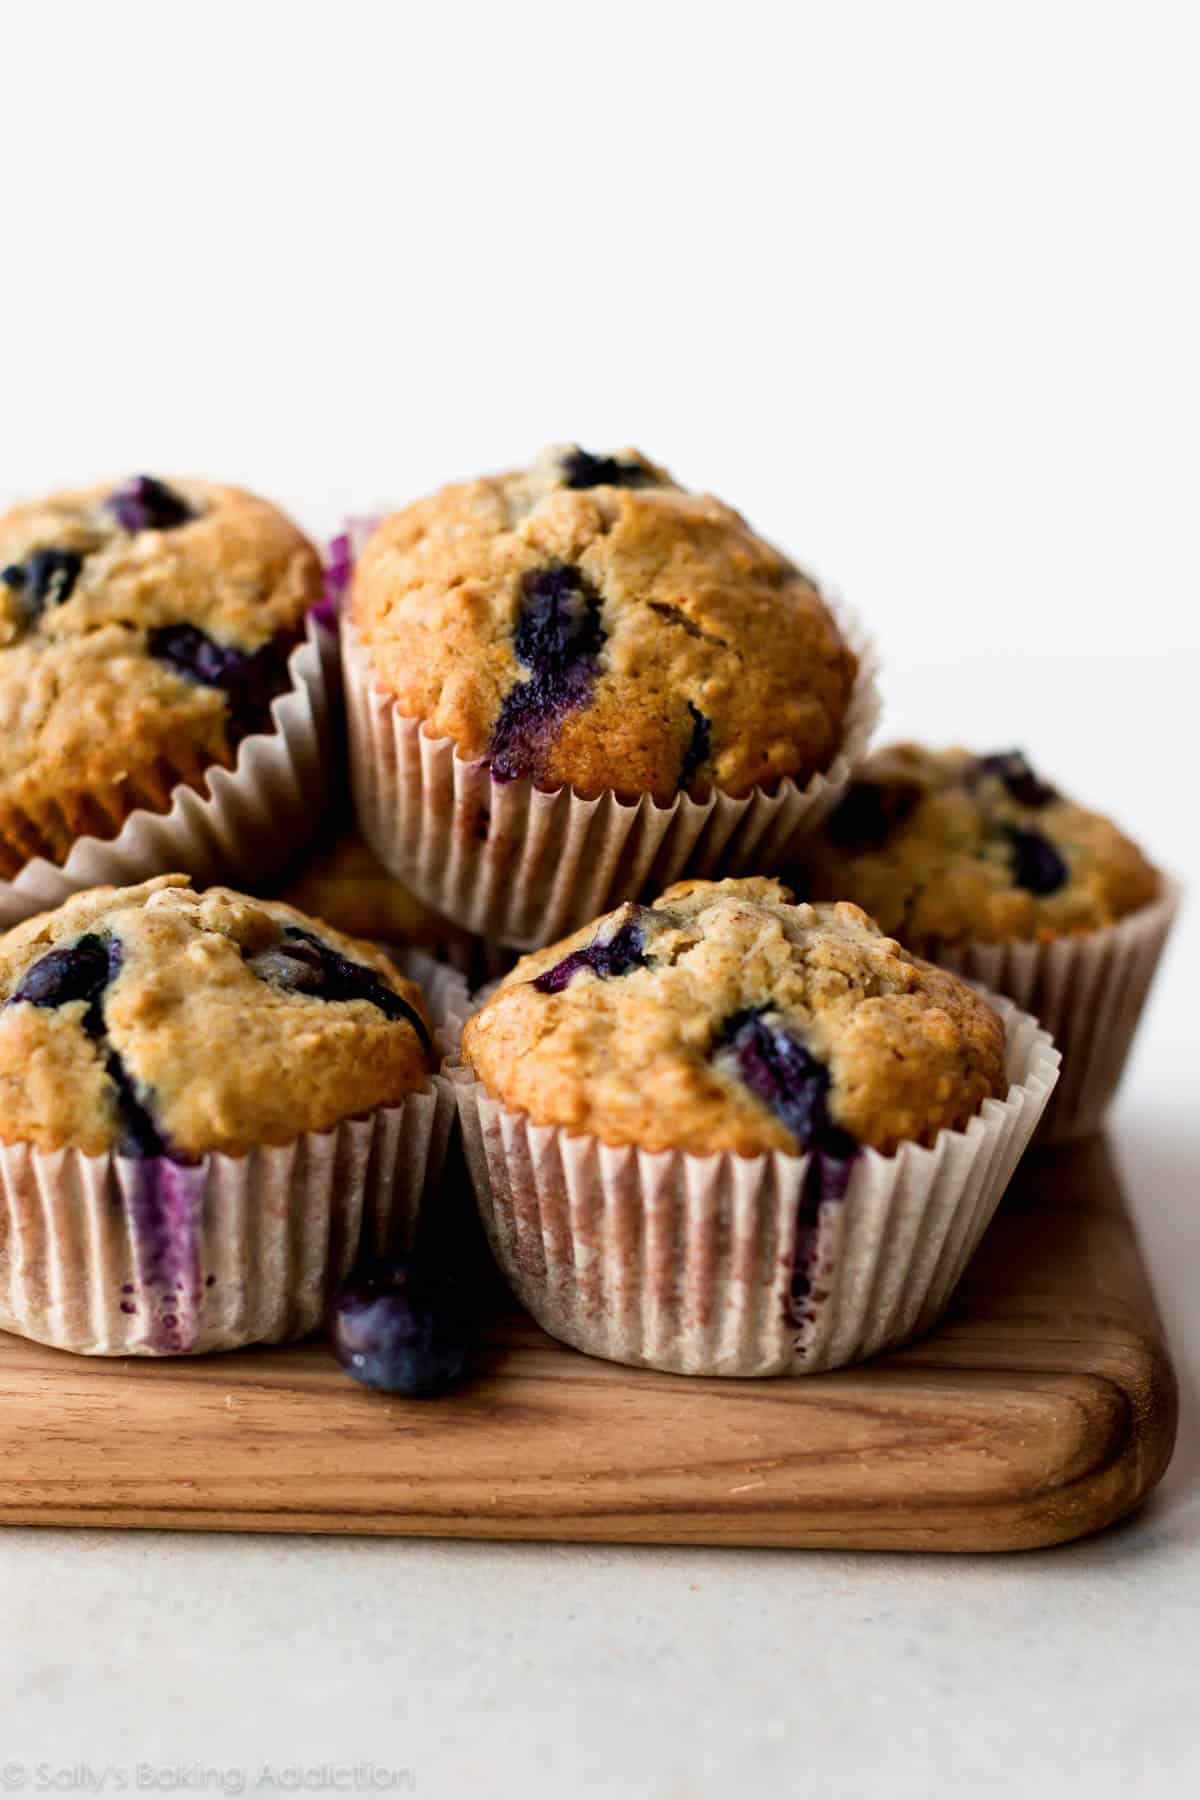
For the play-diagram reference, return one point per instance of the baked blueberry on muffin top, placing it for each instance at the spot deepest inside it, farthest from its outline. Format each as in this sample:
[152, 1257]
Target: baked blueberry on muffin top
[160, 1022]
[589, 623]
[944, 848]
[144, 631]
[725, 1017]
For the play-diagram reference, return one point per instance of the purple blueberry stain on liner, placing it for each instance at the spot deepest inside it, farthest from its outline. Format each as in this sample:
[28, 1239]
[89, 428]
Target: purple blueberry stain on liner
[558, 638]
[147, 504]
[620, 954]
[338, 572]
[164, 1210]
[339, 568]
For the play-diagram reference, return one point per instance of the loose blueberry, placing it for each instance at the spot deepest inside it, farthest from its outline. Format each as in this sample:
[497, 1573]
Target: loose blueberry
[1037, 865]
[45, 579]
[250, 679]
[146, 504]
[301, 963]
[699, 745]
[558, 638]
[1010, 767]
[868, 814]
[582, 470]
[401, 1329]
[787, 1078]
[623, 952]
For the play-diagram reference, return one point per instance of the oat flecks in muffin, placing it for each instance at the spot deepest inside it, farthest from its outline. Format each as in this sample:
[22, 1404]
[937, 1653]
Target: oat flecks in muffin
[589, 623]
[162, 1022]
[851, 1033]
[943, 848]
[144, 630]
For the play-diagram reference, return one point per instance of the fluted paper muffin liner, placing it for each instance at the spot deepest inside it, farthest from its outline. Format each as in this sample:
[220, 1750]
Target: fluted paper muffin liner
[242, 823]
[733, 1265]
[1089, 992]
[522, 865]
[114, 1256]
[447, 995]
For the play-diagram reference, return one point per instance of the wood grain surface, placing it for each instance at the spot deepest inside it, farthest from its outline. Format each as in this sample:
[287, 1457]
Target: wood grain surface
[1043, 1408]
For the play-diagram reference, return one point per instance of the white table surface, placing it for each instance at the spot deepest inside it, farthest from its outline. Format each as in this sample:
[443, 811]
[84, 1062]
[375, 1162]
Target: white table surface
[157, 1661]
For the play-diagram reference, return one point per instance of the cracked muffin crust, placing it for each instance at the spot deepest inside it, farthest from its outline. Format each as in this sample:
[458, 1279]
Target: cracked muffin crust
[144, 631]
[589, 623]
[160, 1022]
[943, 848]
[725, 1017]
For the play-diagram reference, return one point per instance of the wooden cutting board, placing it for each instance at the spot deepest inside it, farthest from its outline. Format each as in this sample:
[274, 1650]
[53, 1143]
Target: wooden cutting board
[1042, 1409]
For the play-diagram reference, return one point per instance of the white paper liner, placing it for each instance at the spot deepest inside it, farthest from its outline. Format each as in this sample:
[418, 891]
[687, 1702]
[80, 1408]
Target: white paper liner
[256, 1242]
[1088, 992]
[445, 989]
[523, 866]
[686, 1263]
[251, 820]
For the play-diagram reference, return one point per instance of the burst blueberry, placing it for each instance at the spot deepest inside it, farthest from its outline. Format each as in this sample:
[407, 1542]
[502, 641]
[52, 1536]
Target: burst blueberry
[85, 971]
[699, 744]
[795, 1085]
[249, 679]
[45, 579]
[302, 963]
[1036, 864]
[622, 953]
[558, 639]
[580, 469]
[147, 504]
[1011, 767]
[400, 1328]
[79, 971]
[787, 1078]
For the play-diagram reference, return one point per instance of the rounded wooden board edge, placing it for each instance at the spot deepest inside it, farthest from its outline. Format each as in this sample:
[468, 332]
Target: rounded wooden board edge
[1043, 1410]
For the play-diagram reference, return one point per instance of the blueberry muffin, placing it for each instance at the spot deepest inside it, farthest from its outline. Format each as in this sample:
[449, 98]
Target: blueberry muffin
[156, 1021]
[726, 1017]
[588, 623]
[944, 848]
[731, 1134]
[208, 1105]
[144, 632]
